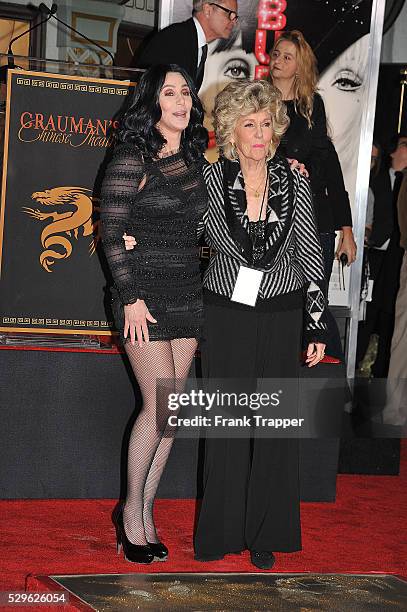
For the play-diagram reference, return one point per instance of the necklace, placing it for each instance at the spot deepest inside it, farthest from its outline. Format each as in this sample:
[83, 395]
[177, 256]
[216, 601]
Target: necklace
[168, 152]
[262, 204]
[257, 191]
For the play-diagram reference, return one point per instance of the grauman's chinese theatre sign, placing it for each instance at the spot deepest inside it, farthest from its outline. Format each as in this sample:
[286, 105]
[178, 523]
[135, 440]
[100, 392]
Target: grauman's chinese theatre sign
[64, 129]
[58, 133]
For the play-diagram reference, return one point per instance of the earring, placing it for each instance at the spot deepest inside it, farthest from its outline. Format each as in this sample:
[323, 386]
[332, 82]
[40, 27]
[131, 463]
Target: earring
[233, 152]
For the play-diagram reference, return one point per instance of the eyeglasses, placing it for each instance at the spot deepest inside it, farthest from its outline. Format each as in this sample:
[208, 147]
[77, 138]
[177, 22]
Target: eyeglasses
[233, 16]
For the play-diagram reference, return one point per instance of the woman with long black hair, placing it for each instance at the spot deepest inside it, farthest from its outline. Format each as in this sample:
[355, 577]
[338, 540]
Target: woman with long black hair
[154, 183]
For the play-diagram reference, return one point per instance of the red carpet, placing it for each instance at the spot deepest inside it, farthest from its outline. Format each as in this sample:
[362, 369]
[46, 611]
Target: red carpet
[364, 531]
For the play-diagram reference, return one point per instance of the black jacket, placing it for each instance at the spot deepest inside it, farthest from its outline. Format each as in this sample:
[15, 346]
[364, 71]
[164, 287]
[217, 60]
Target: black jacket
[384, 209]
[175, 44]
[388, 281]
[314, 148]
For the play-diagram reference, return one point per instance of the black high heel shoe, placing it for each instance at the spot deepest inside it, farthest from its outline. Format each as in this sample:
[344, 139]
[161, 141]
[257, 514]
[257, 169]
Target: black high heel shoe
[159, 550]
[135, 553]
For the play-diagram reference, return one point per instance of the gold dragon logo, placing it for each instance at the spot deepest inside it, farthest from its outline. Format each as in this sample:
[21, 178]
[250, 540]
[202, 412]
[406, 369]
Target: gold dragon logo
[73, 223]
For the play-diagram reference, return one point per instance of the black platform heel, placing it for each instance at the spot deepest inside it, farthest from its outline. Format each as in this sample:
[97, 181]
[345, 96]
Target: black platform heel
[159, 550]
[135, 553]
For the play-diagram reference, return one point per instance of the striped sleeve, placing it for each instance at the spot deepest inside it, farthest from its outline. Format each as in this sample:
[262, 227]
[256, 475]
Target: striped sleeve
[201, 225]
[206, 171]
[309, 255]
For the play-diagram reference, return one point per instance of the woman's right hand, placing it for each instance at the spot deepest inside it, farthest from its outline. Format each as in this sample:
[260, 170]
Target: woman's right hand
[135, 321]
[129, 242]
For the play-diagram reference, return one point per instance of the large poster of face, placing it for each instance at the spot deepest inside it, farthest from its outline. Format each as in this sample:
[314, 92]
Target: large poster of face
[338, 32]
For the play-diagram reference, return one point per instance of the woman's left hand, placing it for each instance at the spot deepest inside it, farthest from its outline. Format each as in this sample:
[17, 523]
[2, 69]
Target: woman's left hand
[347, 245]
[296, 165]
[315, 352]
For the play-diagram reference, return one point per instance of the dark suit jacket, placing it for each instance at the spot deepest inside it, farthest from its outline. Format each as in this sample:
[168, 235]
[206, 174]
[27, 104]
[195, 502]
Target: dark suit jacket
[383, 215]
[176, 44]
[314, 148]
[385, 222]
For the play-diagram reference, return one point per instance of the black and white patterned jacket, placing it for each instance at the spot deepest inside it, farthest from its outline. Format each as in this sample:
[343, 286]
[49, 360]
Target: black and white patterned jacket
[293, 255]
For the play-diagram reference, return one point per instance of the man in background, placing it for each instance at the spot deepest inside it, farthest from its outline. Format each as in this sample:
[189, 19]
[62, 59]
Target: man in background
[384, 267]
[385, 258]
[395, 412]
[186, 43]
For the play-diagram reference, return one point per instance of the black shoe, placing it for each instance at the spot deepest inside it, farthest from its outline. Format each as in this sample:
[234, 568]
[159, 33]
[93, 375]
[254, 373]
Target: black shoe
[135, 553]
[263, 559]
[159, 550]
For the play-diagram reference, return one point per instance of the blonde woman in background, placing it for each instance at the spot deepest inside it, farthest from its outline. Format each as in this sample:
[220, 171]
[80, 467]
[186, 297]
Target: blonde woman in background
[293, 70]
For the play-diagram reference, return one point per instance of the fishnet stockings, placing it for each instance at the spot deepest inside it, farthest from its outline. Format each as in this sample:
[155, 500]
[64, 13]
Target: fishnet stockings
[151, 437]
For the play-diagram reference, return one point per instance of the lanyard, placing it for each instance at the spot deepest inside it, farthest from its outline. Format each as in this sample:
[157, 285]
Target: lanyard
[248, 281]
[256, 237]
[264, 195]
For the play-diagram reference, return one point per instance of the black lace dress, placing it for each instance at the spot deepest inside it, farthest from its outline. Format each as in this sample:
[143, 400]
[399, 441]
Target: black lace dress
[160, 203]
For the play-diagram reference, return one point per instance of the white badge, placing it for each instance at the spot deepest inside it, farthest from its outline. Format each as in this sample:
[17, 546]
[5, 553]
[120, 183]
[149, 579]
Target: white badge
[247, 286]
[369, 290]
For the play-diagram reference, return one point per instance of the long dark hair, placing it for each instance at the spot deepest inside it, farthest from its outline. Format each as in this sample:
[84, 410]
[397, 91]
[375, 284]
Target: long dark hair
[138, 124]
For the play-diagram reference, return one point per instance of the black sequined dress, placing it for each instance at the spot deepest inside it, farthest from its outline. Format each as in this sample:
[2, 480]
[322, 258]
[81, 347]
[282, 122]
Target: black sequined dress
[162, 211]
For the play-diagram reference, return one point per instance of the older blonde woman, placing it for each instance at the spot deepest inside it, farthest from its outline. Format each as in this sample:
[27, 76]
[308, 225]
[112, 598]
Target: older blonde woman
[266, 274]
[261, 225]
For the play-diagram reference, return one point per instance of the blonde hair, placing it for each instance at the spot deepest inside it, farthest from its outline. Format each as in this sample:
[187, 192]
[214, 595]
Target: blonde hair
[306, 79]
[241, 98]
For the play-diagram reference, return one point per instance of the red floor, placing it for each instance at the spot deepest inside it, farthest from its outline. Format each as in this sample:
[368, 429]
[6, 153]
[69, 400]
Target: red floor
[363, 531]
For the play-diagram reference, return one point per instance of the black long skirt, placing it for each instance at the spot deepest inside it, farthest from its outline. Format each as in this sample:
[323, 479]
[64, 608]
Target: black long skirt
[251, 497]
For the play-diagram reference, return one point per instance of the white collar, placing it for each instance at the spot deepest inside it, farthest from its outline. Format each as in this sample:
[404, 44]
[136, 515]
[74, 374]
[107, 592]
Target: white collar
[201, 34]
[238, 184]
